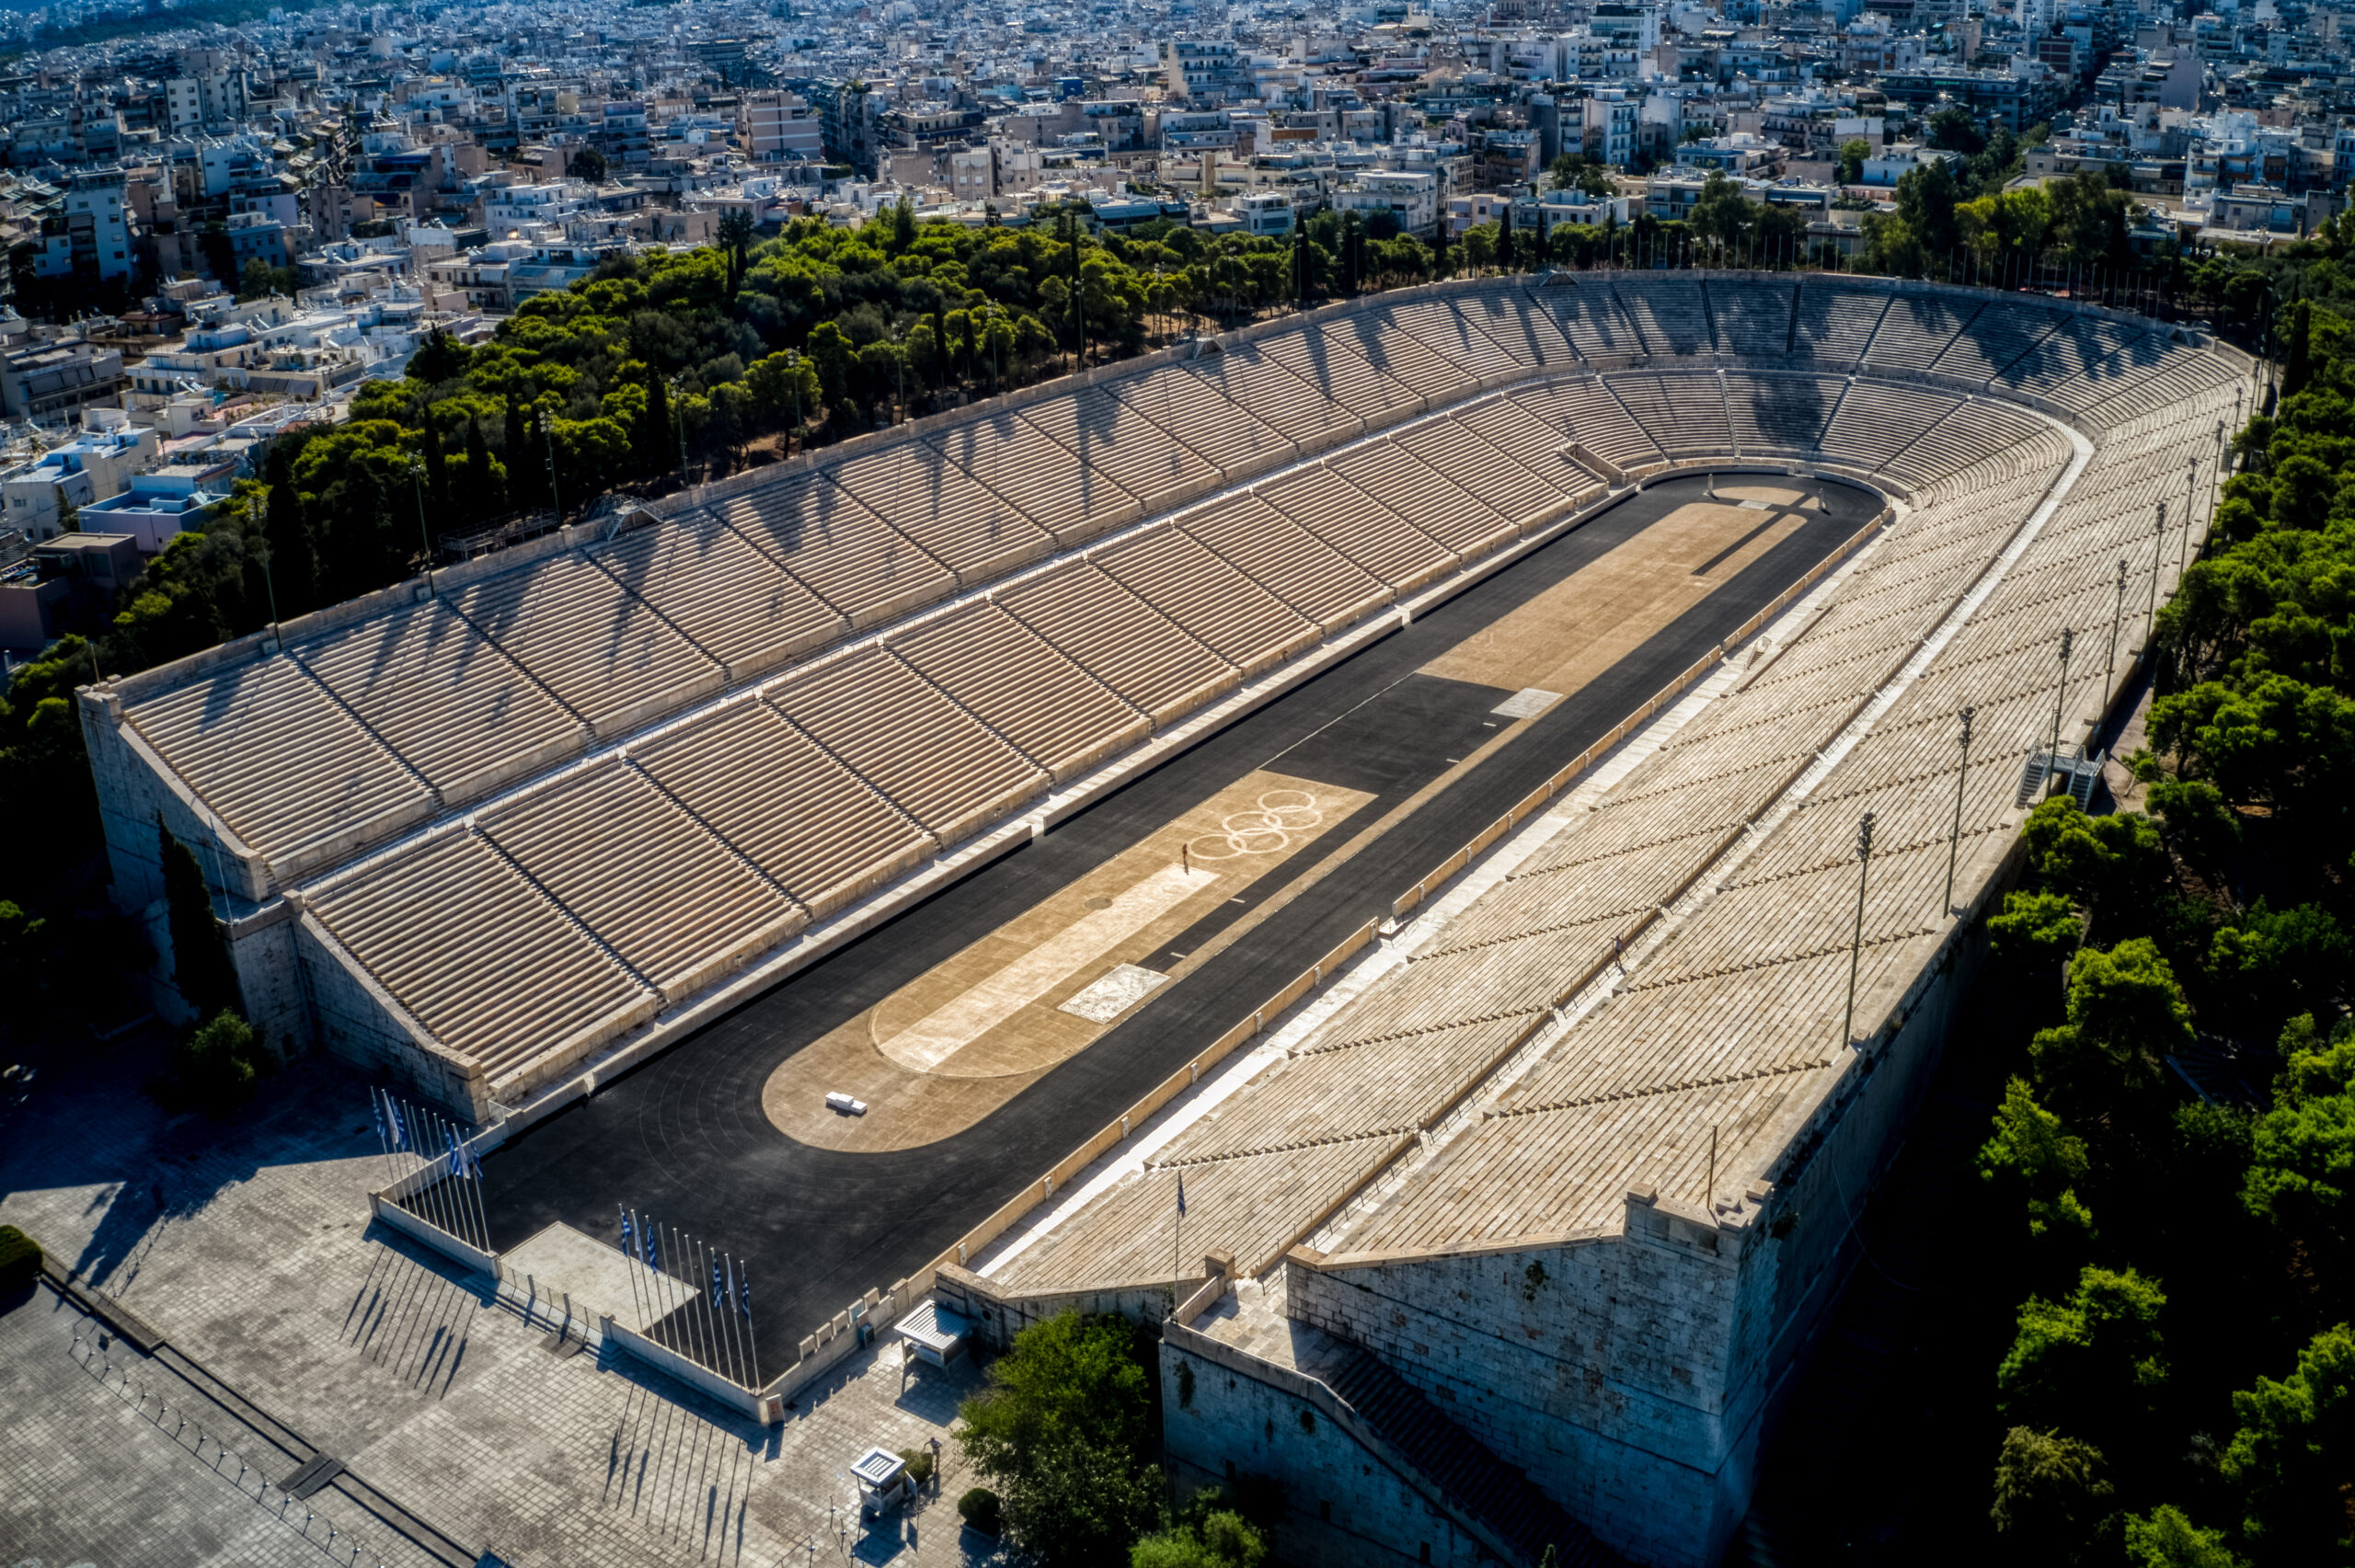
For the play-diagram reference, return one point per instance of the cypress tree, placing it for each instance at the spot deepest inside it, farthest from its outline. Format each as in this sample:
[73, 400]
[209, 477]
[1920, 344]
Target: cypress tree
[293, 554]
[2297, 367]
[483, 498]
[200, 967]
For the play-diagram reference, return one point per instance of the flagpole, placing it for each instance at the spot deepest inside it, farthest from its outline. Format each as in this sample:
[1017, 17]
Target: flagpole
[630, 1263]
[1176, 1245]
[744, 1300]
[688, 1322]
[638, 1277]
[437, 1202]
[727, 1292]
[384, 1142]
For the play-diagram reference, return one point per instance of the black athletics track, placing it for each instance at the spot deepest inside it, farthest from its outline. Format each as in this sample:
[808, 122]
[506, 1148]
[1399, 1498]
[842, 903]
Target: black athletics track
[683, 1137]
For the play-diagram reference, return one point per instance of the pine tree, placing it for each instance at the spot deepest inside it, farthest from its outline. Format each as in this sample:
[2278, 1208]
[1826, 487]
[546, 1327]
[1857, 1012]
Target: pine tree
[294, 554]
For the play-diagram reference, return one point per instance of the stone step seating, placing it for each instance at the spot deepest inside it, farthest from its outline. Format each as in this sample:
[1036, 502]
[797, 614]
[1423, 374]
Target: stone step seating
[1970, 433]
[936, 761]
[1314, 578]
[1519, 498]
[1111, 438]
[1184, 406]
[1647, 1110]
[606, 655]
[1998, 335]
[1474, 1479]
[1399, 1085]
[1328, 364]
[1670, 313]
[1685, 414]
[786, 803]
[2176, 380]
[252, 742]
[1616, 887]
[1917, 329]
[1057, 715]
[1251, 1205]
[1155, 665]
[2084, 347]
[1836, 320]
[950, 516]
[1419, 368]
[1453, 515]
[1438, 325]
[1240, 621]
[1539, 448]
[1360, 527]
[1588, 313]
[730, 599]
[1019, 460]
[1586, 413]
[1879, 419]
[1517, 322]
[428, 686]
[1284, 402]
[1753, 316]
[448, 929]
[866, 570]
[1781, 413]
[681, 909]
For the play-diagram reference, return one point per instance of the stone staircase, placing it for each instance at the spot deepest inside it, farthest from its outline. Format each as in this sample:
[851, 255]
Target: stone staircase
[1485, 1488]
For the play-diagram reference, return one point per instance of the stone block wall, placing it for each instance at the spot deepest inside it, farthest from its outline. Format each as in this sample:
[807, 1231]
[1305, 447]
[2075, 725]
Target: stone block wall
[1226, 1413]
[1635, 1376]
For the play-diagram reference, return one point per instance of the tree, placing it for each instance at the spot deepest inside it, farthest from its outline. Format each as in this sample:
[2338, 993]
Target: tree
[736, 245]
[2036, 930]
[2126, 1016]
[1062, 1433]
[2198, 824]
[2290, 1458]
[2302, 1164]
[2165, 1539]
[2050, 1495]
[257, 281]
[1853, 154]
[2297, 365]
[2273, 964]
[200, 970]
[219, 1063]
[2032, 1152]
[1223, 1539]
[2097, 1355]
[587, 162]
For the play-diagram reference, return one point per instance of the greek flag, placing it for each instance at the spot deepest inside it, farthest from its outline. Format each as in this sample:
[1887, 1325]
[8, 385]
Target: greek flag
[653, 1259]
[628, 1246]
[457, 1155]
[719, 1284]
[744, 1293]
[1181, 1195]
[400, 1128]
[377, 1107]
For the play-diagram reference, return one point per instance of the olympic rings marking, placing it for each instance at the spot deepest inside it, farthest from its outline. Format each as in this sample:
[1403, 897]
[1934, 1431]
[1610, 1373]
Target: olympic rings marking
[1280, 814]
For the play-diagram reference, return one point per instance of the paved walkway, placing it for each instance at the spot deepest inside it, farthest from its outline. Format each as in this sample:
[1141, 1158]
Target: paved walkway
[247, 1247]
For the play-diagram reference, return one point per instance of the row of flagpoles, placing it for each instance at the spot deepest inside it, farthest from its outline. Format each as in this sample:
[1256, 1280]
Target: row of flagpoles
[712, 1328]
[416, 1140]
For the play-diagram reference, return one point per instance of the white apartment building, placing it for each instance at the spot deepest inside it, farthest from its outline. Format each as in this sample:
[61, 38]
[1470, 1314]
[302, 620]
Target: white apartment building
[778, 127]
[1411, 196]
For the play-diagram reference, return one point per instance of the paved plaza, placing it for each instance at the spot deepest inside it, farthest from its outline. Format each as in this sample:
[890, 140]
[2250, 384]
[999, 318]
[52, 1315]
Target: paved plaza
[248, 1248]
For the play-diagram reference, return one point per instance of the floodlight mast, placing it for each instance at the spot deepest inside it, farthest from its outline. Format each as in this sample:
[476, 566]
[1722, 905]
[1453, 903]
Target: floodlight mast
[1954, 842]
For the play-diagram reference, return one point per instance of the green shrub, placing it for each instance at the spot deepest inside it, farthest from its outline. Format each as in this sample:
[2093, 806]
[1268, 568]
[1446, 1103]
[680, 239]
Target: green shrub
[978, 1507]
[19, 1258]
[919, 1463]
[220, 1063]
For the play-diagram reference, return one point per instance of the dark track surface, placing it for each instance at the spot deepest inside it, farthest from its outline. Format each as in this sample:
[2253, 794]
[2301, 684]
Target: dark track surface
[683, 1137]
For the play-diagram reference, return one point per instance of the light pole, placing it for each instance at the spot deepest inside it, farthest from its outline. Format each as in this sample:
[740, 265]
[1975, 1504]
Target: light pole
[1954, 843]
[1856, 947]
[2158, 544]
[547, 450]
[2190, 475]
[417, 484]
[2068, 639]
[2109, 668]
[793, 374]
[679, 425]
